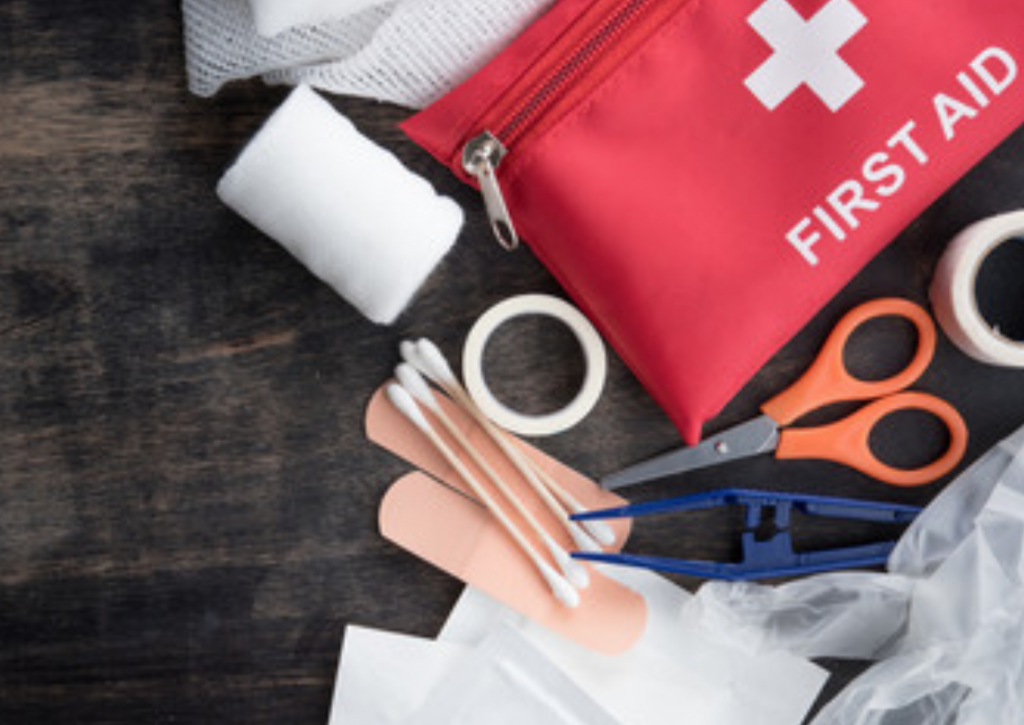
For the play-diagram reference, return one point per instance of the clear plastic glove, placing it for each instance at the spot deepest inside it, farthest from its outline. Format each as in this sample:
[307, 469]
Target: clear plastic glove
[946, 623]
[842, 614]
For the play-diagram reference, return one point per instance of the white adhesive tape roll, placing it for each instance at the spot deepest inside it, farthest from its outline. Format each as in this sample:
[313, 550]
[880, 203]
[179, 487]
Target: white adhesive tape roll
[593, 353]
[953, 291]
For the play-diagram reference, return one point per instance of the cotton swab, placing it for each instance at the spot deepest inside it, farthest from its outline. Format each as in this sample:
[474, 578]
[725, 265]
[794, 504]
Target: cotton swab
[432, 363]
[410, 353]
[413, 382]
[601, 531]
[562, 590]
[425, 356]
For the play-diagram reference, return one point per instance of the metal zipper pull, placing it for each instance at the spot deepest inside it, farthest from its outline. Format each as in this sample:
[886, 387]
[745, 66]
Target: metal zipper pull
[481, 158]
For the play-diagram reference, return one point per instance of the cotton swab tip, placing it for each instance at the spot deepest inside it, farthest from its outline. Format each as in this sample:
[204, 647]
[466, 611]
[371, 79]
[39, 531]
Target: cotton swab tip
[600, 530]
[407, 349]
[413, 382]
[574, 571]
[403, 401]
[583, 540]
[435, 366]
[564, 592]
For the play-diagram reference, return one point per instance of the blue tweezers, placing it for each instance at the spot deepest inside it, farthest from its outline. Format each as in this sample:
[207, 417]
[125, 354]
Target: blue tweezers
[762, 559]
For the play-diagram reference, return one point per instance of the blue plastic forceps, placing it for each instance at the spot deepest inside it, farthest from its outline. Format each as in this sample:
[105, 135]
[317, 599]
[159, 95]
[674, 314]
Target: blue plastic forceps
[770, 557]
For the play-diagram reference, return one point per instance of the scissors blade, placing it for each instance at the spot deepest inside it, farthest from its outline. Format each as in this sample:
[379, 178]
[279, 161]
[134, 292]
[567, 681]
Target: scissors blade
[759, 435]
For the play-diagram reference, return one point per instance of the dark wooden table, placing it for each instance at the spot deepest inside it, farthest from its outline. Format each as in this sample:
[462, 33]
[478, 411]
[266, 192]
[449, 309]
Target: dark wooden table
[187, 501]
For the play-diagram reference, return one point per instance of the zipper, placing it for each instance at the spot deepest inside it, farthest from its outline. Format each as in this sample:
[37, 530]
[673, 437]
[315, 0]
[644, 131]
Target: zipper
[583, 56]
[480, 158]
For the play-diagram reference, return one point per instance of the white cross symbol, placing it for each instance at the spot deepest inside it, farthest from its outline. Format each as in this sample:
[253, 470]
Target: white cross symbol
[806, 52]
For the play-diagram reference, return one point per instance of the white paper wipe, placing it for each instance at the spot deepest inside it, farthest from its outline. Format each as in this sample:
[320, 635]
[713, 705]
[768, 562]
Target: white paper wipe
[383, 678]
[491, 666]
[676, 673]
[507, 680]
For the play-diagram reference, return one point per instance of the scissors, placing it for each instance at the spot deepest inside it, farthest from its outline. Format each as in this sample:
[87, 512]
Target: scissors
[828, 381]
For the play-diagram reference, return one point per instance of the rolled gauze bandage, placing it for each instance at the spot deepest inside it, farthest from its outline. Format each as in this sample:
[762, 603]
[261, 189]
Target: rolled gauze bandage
[955, 290]
[345, 207]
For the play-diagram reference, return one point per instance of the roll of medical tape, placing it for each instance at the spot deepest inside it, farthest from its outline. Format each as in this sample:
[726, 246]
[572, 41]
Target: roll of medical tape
[955, 290]
[594, 355]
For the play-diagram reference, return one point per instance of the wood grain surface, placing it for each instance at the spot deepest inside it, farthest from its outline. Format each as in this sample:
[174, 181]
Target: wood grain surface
[187, 501]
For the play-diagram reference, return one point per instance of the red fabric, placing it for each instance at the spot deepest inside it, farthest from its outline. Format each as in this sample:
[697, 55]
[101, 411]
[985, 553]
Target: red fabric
[662, 200]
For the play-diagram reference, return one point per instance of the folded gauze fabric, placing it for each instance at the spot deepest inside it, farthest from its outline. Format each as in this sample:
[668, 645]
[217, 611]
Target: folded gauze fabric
[342, 205]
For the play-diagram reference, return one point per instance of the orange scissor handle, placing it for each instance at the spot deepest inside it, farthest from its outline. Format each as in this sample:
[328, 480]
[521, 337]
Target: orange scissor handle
[847, 441]
[828, 380]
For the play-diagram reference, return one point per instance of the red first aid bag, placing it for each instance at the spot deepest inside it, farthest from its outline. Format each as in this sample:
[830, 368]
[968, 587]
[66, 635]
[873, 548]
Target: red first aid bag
[703, 175]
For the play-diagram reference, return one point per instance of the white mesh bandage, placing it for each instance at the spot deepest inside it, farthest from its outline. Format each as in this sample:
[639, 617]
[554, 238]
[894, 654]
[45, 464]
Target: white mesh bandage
[275, 16]
[408, 52]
